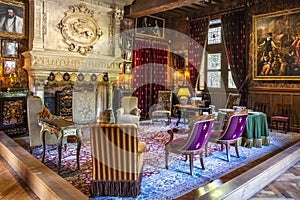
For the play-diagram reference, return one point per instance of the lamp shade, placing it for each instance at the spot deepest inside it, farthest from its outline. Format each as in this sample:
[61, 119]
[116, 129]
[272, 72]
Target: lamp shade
[184, 92]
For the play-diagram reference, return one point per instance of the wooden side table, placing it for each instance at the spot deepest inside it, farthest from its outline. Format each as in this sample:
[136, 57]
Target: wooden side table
[61, 128]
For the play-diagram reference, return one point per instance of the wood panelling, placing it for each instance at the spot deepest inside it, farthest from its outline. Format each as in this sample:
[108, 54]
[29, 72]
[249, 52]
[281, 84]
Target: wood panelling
[274, 96]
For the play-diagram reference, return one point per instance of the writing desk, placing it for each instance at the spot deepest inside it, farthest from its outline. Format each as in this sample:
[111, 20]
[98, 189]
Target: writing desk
[61, 128]
[186, 111]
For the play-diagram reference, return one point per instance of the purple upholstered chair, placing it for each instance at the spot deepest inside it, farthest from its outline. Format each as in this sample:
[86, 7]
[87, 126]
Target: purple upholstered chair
[193, 144]
[230, 135]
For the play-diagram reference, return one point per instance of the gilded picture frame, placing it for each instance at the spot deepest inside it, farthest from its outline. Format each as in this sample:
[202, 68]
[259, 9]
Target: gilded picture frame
[10, 48]
[9, 67]
[13, 27]
[128, 55]
[127, 68]
[276, 51]
[150, 26]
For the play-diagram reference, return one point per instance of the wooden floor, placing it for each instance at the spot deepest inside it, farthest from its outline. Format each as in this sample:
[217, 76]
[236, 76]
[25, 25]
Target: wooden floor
[285, 187]
[11, 185]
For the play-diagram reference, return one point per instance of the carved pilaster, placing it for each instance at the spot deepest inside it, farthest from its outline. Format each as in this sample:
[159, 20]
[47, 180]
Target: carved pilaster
[38, 7]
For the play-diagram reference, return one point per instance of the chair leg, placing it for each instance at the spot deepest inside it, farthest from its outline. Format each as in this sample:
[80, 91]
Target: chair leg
[206, 149]
[236, 149]
[271, 126]
[201, 160]
[166, 159]
[228, 151]
[191, 163]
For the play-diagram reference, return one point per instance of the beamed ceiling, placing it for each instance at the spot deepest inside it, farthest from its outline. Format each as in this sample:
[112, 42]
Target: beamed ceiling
[187, 8]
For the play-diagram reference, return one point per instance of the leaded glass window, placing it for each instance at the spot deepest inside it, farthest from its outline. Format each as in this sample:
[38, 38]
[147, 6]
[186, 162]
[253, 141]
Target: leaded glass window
[214, 35]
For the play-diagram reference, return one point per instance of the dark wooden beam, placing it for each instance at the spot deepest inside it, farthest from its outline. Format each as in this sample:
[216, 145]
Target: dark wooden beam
[142, 8]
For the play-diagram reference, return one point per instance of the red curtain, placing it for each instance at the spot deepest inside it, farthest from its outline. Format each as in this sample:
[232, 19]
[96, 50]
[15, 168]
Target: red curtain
[141, 75]
[150, 72]
[160, 61]
[234, 32]
[198, 33]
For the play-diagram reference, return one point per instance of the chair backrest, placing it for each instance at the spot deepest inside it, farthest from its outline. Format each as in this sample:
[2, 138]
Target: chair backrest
[164, 100]
[282, 110]
[129, 103]
[114, 150]
[233, 99]
[235, 127]
[261, 107]
[199, 135]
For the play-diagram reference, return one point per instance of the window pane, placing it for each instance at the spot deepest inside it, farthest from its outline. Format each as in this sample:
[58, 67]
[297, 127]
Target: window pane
[214, 61]
[215, 21]
[214, 35]
[214, 79]
[231, 84]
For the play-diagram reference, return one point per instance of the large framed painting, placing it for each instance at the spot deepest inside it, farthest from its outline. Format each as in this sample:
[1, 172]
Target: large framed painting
[276, 46]
[12, 19]
[150, 26]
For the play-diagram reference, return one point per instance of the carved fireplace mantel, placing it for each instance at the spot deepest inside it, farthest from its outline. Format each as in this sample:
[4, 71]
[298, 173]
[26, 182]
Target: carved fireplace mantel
[74, 37]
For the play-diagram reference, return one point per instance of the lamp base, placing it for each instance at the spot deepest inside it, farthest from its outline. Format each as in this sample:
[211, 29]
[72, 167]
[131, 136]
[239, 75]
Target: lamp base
[183, 100]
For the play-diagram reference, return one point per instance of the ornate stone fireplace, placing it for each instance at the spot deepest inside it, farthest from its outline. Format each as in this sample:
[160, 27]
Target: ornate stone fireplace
[75, 39]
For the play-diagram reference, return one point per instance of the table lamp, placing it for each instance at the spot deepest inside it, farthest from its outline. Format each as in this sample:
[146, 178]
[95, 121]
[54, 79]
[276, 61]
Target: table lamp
[184, 94]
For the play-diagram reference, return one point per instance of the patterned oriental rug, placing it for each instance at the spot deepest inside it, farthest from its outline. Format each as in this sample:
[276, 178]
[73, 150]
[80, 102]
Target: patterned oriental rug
[158, 182]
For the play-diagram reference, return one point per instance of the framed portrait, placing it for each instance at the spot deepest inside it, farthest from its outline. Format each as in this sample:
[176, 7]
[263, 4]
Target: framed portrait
[276, 46]
[12, 19]
[121, 68]
[9, 67]
[127, 68]
[10, 48]
[150, 26]
[128, 55]
[128, 43]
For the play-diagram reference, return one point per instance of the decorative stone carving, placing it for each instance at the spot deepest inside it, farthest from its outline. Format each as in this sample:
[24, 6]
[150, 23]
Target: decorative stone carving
[79, 30]
[118, 15]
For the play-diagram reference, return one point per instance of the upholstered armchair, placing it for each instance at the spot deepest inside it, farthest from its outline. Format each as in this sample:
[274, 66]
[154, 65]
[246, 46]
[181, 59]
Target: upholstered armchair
[163, 107]
[117, 158]
[129, 111]
[35, 111]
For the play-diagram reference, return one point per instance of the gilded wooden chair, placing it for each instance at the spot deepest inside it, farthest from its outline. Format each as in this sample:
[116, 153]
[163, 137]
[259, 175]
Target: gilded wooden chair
[192, 145]
[233, 99]
[117, 159]
[233, 129]
[163, 108]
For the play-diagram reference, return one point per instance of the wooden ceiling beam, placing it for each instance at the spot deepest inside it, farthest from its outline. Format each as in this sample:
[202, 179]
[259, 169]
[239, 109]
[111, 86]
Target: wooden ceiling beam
[142, 8]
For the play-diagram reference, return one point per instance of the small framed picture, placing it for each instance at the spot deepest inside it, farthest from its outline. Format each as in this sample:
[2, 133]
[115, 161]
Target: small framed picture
[121, 68]
[128, 55]
[9, 67]
[10, 48]
[129, 43]
[127, 68]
